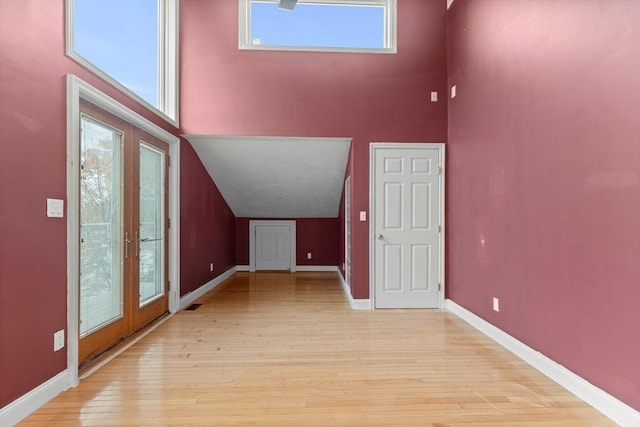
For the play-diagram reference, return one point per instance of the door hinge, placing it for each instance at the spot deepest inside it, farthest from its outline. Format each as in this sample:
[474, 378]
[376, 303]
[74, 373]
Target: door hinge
[439, 287]
[439, 229]
[439, 170]
[168, 222]
[169, 161]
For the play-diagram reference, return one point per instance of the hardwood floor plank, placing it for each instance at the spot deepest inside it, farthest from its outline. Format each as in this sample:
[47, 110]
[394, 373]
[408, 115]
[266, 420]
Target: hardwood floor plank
[285, 349]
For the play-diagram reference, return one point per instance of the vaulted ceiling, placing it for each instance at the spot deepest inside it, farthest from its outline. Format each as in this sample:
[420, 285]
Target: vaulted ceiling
[276, 177]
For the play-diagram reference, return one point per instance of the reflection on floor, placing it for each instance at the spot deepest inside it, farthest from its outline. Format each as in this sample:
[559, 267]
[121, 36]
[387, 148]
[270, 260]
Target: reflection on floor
[285, 349]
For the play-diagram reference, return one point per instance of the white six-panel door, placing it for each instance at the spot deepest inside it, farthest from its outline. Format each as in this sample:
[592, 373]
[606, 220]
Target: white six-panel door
[406, 225]
[273, 250]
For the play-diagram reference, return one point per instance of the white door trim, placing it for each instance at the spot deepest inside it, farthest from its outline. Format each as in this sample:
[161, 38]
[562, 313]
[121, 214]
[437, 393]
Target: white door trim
[373, 147]
[348, 227]
[252, 240]
[77, 89]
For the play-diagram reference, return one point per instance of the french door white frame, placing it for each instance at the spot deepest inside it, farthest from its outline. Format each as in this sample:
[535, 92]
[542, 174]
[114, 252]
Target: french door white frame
[373, 147]
[252, 240]
[78, 89]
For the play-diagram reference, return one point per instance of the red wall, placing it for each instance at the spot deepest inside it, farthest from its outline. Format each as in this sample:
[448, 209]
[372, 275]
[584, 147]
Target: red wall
[544, 179]
[207, 225]
[316, 235]
[372, 98]
[33, 144]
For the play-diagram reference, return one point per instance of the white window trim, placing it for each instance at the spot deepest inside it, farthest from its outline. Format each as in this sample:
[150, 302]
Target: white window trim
[391, 36]
[168, 70]
[78, 89]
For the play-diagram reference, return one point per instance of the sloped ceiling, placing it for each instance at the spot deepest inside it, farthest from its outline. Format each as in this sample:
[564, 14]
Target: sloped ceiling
[274, 177]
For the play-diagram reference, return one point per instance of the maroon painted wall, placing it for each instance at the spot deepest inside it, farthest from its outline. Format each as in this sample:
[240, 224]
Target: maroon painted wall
[33, 144]
[207, 225]
[372, 98]
[320, 236]
[316, 235]
[544, 178]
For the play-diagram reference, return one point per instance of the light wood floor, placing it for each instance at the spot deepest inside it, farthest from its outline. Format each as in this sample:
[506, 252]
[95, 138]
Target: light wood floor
[286, 350]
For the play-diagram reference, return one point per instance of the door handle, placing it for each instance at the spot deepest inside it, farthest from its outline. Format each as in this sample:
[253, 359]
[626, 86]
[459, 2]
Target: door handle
[126, 245]
[148, 239]
[379, 237]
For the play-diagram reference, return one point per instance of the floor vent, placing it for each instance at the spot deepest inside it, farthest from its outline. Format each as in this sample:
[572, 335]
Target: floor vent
[193, 307]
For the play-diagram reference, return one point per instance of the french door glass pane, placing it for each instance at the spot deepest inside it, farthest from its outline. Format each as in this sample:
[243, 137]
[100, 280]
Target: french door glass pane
[151, 223]
[101, 273]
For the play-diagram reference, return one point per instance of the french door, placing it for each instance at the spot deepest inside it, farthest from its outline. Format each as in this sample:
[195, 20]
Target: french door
[123, 231]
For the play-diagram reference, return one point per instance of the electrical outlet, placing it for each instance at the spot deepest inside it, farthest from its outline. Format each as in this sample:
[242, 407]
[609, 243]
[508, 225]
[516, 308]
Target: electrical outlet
[211, 267]
[496, 304]
[58, 340]
[434, 96]
[308, 255]
[453, 91]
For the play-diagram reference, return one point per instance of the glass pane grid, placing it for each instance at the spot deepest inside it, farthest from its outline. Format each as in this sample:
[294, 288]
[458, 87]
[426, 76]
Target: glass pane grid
[152, 200]
[101, 273]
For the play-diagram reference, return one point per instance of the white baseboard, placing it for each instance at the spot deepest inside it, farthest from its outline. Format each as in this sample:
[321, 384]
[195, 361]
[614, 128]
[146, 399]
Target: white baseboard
[189, 298]
[619, 412]
[316, 268]
[28, 403]
[298, 268]
[356, 304]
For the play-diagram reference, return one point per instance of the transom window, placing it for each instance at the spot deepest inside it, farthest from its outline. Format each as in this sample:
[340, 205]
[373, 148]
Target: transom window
[318, 25]
[130, 43]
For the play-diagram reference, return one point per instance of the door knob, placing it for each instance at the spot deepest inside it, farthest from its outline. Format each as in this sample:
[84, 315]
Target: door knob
[379, 237]
[126, 245]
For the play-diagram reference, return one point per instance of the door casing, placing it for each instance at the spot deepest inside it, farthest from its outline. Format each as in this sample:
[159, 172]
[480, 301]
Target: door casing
[372, 212]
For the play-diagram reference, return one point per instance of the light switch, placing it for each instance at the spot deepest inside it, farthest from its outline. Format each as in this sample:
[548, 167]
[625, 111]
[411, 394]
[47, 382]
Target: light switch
[58, 340]
[55, 208]
[434, 96]
[363, 215]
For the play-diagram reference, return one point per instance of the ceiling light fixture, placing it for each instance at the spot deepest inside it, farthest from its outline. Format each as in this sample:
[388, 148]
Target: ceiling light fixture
[287, 4]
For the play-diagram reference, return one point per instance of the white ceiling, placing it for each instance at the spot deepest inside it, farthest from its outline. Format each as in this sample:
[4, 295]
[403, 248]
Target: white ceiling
[276, 177]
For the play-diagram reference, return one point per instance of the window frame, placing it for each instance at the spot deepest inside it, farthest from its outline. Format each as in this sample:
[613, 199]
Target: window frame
[168, 68]
[390, 28]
